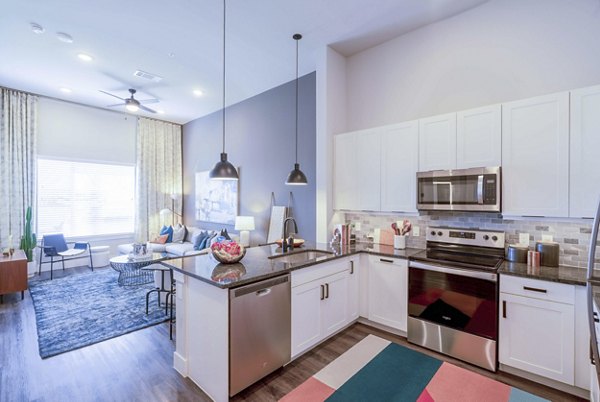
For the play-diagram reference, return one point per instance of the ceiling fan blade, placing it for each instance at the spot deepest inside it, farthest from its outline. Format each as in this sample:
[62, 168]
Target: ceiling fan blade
[114, 96]
[147, 109]
[116, 104]
[149, 101]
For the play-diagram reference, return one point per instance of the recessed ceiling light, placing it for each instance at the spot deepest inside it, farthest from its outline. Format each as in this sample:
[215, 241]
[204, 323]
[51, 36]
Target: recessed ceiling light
[171, 55]
[64, 37]
[37, 28]
[65, 90]
[198, 92]
[85, 57]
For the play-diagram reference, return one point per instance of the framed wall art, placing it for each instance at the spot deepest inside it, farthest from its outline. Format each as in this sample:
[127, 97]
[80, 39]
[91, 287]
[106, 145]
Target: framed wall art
[216, 200]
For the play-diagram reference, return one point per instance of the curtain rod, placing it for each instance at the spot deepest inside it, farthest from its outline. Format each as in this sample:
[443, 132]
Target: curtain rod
[90, 106]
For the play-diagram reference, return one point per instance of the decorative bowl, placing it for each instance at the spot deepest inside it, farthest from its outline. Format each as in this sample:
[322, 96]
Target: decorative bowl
[227, 252]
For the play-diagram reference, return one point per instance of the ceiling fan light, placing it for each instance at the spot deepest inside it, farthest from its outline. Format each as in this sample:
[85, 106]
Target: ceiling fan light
[296, 177]
[223, 170]
[132, 108]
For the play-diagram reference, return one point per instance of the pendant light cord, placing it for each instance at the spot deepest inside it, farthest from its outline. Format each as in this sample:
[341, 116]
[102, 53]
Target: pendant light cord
[223, 114]
[297, 98]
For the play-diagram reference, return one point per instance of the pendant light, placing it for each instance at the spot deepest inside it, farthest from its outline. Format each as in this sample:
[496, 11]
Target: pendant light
[296, 177]
[223, 169]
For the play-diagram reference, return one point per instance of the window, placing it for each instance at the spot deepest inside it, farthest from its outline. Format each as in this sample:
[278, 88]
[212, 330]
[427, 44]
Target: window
[85, 198]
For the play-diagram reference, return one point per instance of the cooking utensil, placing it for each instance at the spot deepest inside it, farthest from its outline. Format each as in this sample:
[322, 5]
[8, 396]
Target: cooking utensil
[396, 229]
[406, 227]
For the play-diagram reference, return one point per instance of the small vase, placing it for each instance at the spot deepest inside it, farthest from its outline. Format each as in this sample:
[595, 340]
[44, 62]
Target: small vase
[399, 242]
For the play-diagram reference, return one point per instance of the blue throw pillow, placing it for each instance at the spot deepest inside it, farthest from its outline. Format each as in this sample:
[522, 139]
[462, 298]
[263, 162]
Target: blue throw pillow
[167, 230]
[200, 240]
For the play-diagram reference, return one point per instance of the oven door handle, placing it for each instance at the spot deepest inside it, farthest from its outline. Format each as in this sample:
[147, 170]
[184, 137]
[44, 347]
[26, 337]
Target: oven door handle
[488, 276]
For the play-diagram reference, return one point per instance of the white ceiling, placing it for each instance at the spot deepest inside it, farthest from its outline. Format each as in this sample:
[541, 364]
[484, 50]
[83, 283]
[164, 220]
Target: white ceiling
[124, 36]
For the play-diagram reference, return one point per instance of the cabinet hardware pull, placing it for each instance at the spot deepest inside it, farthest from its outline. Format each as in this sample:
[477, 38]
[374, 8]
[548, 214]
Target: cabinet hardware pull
[327, 291]
[503, 308]
[592, 354]
[535, 289]
[351, 267]
[595, 317]
[322, 292]
[386, 260]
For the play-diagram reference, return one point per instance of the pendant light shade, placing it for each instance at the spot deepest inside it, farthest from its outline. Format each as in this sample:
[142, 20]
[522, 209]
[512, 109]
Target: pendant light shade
[223, 169]
[296, 176]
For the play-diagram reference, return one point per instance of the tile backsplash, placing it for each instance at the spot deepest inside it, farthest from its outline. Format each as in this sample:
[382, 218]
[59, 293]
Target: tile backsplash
[573, 236]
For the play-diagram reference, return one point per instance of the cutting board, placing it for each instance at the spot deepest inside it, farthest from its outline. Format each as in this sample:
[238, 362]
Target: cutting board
[384, 236]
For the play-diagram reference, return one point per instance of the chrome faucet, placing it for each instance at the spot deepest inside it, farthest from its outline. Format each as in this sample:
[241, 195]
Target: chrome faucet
[288, 245]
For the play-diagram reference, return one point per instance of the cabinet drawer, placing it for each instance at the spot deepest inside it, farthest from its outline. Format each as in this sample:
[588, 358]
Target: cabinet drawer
[388, 260]
[538, 289]
[319, 271]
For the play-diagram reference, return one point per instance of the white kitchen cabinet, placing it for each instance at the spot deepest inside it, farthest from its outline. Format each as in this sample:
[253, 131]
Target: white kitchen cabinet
[584, 160]
[437, 142]
[535, 156]
[357, 170]
[388, 291]
[344, 171]
[537, 328]
[594, 388]
[399, 165]
[354, 289]
[582, 339]
[479, 137]
[322, 301]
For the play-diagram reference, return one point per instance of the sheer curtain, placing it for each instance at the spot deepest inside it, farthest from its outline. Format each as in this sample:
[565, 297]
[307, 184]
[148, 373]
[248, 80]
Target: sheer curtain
[18, 114]
[158, 175]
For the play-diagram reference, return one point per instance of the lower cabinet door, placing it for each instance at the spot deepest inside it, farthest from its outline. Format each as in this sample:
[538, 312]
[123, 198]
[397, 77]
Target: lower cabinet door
[537, 336]
[306, 316]
[594, 390]
[335, 304]
[388, 290]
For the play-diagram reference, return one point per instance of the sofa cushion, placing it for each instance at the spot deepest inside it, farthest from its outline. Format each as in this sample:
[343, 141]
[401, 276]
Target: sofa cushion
[179, 249]
[178, 233]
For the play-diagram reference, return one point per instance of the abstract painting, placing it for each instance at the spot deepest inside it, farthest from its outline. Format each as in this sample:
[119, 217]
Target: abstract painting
[216, 200]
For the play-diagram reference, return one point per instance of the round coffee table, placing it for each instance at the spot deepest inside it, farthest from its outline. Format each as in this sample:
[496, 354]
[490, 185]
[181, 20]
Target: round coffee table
[130, 270]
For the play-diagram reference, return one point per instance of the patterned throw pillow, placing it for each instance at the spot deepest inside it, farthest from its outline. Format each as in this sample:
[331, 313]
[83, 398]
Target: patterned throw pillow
[161, 239]
[169, 231]
[178, 233]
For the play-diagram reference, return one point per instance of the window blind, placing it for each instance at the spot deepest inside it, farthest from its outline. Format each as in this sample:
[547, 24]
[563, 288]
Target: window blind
[84, 198]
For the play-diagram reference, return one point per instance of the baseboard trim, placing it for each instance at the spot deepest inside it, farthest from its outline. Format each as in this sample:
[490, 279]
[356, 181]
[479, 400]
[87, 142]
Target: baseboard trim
[180, 364]
[570, 389]
[382, 327]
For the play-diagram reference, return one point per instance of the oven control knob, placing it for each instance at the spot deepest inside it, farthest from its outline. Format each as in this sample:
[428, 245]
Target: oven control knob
[495, 238]
[433, 232]
[486, 237]
[440, 233]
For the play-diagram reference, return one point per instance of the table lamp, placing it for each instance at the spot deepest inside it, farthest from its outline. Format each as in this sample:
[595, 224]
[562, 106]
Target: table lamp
[244, 224]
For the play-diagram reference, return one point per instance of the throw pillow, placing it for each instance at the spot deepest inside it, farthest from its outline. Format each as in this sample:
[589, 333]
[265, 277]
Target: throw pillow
[225, 234]
[169, 231]
[200, 239]
[191, 231]
[178, 233]
[161, 239]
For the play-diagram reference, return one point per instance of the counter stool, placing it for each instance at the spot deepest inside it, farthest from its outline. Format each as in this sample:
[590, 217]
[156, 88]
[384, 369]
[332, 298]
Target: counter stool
[159, 290]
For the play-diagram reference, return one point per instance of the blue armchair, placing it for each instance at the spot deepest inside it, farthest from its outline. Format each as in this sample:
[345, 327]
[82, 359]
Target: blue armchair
[54, 247]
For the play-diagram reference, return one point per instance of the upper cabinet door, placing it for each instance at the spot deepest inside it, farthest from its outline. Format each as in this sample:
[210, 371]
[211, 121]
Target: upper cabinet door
[368, 170]
[437, 142]
[535, 156]
[585, 144]
[479, 137]
[344, 171]
[399, 164]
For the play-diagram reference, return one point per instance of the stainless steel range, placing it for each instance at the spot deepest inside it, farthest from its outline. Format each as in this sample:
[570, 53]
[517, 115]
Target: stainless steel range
[453, 294]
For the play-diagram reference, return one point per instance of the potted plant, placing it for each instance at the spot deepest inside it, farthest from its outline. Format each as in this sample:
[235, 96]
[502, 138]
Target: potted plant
[28, 241]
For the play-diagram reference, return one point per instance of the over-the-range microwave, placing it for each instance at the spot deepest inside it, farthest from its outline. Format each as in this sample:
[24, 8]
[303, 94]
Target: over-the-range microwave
[475, 189]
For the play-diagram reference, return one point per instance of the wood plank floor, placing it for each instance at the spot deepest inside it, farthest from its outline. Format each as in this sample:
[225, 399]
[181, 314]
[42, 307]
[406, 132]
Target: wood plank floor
[138, 366]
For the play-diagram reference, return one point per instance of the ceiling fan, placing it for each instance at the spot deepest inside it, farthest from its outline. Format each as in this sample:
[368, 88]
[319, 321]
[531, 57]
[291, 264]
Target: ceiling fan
[132, 104]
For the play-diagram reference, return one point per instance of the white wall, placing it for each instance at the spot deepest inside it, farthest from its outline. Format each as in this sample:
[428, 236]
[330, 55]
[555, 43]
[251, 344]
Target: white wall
[80, 132]
[501, 51]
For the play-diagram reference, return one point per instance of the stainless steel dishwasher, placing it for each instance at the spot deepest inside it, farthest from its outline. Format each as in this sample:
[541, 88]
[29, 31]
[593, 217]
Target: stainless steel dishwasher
[259, 331]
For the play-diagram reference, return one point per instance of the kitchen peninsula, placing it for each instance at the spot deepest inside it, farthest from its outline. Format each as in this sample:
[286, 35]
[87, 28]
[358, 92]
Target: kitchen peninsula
[325, 298]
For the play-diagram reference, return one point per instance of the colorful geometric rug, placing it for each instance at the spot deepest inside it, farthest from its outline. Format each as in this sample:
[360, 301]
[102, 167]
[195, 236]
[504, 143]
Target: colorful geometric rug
[378, 370]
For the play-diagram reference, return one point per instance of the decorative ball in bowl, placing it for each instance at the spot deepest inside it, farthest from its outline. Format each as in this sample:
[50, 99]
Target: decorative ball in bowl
[227, 251]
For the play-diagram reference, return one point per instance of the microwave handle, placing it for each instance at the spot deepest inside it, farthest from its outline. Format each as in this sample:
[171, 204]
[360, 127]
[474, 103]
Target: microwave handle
[480, 189]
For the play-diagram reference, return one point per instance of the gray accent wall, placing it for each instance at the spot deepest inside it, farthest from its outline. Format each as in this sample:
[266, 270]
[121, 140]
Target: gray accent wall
[260, 142]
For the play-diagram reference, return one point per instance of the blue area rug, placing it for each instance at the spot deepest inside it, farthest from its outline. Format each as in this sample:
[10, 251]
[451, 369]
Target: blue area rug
[83, 309]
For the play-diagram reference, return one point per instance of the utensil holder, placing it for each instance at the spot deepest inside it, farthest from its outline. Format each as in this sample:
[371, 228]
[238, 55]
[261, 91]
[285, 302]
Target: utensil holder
[399, 242]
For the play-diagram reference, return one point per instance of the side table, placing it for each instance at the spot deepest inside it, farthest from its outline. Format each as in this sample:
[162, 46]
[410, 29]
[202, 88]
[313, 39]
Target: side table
[13, 274]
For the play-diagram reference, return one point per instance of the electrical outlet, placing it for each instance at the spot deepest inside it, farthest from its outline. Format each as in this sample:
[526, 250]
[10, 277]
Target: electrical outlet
[357, 226]
[523, 238]
[547, 238]
[416, 231]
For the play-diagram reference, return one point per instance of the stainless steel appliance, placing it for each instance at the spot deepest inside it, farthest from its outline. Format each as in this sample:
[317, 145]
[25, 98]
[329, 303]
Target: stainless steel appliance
[593, 283]
[453, 294]
[259, 331]
[476, 189]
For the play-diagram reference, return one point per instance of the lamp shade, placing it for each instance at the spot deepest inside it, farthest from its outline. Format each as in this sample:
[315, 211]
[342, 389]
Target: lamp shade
[244, 223]
[296, 177]
[223, 170]
[164, 211]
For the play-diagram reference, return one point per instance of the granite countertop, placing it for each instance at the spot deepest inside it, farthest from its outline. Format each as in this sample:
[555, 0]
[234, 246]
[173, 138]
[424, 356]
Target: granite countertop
[256, 264]
[562, 274]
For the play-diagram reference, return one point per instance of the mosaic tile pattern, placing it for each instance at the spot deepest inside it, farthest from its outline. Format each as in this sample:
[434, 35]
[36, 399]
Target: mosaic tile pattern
[573, 235]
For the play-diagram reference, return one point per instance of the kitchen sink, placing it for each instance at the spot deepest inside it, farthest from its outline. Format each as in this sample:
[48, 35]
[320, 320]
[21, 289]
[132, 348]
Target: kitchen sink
[299, 257]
